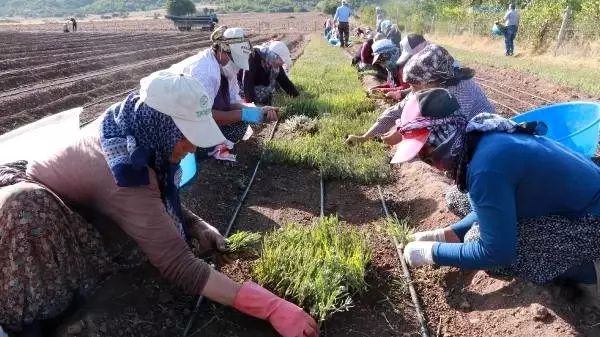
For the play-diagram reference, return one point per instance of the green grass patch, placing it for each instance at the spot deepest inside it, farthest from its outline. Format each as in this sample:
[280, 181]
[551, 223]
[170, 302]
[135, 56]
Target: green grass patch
[583, 79]
[330, 91]
[319, 267]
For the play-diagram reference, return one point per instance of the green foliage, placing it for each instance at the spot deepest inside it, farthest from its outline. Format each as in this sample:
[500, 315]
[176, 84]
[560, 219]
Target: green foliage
[330, 90]
[584, 79]
[243, 243]
[180, 7]
[328, 6]
[540, 19]
[319, 267]
[79, 8]
[399, 229]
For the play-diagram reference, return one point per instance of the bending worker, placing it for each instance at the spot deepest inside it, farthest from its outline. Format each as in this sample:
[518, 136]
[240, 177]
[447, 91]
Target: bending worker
[217, 68]
[124, 168]
[520, 225]
[266, 72]
[432, 67]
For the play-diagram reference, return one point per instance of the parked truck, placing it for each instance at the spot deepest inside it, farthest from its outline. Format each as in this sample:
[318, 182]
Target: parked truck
[185, 23]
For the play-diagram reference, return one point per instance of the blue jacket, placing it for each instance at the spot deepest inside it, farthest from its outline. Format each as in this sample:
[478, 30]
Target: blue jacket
[512, 177]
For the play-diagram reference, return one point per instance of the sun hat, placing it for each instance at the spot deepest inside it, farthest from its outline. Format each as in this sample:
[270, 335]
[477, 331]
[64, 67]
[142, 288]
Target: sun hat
[184, 99]
[281, 49]
[431, 103]
[410, 45]
[381, 47]
[233, 41]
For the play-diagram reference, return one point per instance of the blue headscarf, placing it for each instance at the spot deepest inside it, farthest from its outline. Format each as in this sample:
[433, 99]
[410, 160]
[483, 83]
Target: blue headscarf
[135, 137]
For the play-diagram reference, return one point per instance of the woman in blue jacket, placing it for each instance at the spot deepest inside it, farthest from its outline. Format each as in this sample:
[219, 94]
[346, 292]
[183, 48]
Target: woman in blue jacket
[535, 203]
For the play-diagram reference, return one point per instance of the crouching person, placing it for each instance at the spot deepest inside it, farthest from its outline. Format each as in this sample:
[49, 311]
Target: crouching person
[217, 68]
[266, 73]
[520, 225]
[123, 167]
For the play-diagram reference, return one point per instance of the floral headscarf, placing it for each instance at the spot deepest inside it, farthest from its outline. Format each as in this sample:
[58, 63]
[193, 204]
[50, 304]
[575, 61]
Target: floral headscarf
[135, 137]
[455, 138]
[433, 64]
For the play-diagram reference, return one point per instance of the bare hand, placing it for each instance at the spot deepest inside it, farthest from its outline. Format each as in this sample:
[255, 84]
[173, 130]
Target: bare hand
[271, 113]
[395, 95]
[208, 236]
[392, 137]
[354, 140]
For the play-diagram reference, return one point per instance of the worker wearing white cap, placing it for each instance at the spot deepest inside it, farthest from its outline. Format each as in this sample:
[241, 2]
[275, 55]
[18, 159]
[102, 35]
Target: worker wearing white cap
[266, 72]
[217, 68]
[122, 173]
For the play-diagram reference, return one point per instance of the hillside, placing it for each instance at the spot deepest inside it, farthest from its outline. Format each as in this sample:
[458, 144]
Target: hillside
[79, 8]
[58, 8]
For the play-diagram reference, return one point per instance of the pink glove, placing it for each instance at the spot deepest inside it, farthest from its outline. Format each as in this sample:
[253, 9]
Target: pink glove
[287, 319]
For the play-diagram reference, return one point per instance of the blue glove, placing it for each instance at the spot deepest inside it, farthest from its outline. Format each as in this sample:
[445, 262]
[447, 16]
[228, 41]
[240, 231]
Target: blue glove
[252, 115]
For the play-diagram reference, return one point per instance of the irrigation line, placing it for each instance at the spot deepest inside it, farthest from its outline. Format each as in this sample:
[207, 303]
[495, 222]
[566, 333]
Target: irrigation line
[424, 332]
[322, 183]
[514, 89]
[505, 106]
[230, 224]
[507, 95]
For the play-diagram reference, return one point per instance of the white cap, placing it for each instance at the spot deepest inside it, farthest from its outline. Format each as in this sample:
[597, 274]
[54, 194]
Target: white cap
[240, 50]
[184, 99]
[282, 51]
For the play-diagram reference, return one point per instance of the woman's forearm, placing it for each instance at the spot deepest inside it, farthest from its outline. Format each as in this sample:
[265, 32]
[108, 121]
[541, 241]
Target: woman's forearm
[227, 117]
[220, 288]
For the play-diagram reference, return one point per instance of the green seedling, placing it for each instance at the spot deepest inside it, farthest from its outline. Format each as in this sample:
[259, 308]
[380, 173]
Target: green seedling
[399, 229]
[333, 94]
[319, 267]
[244, 243]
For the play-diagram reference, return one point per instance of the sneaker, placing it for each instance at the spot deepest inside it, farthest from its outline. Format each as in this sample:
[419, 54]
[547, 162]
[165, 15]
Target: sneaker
[221, 152]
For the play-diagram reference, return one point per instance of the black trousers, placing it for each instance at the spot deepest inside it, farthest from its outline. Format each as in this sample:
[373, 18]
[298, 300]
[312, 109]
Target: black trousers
[343, 33]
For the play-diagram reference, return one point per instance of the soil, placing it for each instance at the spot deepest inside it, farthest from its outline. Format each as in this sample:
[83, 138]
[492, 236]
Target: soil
[139, 302]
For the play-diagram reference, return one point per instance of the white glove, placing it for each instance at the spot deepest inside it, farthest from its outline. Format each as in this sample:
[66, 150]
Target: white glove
[419, 253]
[436, 235]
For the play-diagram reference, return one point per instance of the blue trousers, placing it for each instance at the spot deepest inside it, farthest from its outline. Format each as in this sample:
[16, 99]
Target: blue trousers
[510, 32]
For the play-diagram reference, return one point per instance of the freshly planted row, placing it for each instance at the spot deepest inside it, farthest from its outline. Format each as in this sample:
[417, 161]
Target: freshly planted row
[319, 267]
[331, 93]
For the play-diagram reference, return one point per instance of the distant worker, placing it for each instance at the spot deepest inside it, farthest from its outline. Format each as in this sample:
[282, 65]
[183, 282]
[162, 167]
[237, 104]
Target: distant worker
[385, 26]
[393, 34]
[73, 24]
[342, 17]
[385, 55]
[266, 72]
[328, 28]
[379, 14]
[511, 22]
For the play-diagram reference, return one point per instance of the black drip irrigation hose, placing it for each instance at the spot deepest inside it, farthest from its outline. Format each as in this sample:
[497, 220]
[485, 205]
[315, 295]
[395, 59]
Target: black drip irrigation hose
[424, 332]
[322, 183]
[230, 224]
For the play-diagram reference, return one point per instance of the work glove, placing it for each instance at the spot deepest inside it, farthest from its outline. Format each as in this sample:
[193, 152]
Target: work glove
[287, 319]
[419, 253]
[257, 115]
[436, 235]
